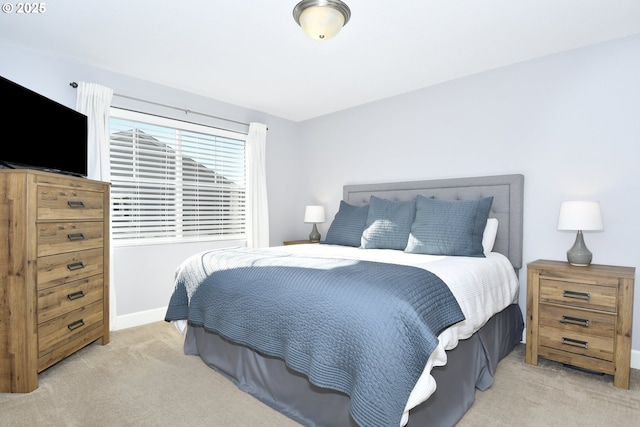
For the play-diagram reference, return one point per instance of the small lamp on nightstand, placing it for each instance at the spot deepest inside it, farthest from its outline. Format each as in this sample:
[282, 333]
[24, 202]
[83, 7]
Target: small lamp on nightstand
[580, 216]
[314, 215]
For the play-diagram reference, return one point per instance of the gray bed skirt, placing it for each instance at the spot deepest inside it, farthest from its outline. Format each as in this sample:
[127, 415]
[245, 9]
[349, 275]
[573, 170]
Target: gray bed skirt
[470, 365]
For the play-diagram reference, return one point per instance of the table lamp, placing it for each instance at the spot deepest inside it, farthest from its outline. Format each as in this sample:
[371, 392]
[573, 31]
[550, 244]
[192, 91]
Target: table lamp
[314, 215]
[580, 216]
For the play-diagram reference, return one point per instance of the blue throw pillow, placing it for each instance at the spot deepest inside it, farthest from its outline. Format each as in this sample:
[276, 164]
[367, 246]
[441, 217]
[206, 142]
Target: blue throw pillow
[444, 227]
[388, 224]
[347, 226]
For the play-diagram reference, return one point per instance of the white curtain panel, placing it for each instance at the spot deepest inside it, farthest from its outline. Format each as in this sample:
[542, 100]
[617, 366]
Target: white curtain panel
[257, 207]
[94, 101]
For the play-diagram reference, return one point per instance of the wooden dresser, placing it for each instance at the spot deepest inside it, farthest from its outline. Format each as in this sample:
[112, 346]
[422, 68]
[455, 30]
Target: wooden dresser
[54, 268]
[581, 316]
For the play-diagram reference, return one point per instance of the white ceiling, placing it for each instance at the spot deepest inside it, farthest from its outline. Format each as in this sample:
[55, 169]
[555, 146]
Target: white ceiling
[252, 53]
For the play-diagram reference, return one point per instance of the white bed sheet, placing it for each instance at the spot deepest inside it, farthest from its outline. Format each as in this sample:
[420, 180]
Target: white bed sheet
[482, 287]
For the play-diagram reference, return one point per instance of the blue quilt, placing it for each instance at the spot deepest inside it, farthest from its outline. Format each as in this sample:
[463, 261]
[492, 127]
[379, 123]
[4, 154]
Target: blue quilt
[363, 328]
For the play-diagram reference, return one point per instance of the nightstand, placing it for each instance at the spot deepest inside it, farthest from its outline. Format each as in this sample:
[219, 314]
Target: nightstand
[297, 242]
[581, 316]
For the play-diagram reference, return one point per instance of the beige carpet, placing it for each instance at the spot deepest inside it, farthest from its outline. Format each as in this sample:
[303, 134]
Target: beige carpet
[142, 378]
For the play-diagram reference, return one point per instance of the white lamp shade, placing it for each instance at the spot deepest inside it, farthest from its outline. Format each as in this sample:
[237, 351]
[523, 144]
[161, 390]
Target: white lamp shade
[580, 215]
[321, 22]
[314, 214]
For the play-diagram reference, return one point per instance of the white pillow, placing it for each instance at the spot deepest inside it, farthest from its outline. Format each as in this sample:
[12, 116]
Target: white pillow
[489, 235]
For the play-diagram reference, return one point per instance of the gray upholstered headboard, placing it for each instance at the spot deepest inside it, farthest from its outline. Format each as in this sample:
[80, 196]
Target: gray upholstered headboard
[507, 192]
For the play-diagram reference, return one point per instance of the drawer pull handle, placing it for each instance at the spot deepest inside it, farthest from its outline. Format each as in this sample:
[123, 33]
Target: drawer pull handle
[75, 325]
[585, 296]
[575, 343]
[575, 321]
[75, 266]
[75, 236]
[75, 295]
[75, 204]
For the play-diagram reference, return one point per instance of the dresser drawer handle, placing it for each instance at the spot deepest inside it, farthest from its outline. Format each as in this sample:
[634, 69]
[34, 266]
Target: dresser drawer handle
[575, 321]
[75, 236]
[75, 295]
[75, 204]
[576, 295]
[575, 343]
[75, 266]
[75, 325]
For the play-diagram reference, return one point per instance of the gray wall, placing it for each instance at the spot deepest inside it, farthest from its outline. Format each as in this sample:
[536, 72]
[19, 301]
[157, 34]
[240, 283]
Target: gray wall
[143, 275]
[569, 122]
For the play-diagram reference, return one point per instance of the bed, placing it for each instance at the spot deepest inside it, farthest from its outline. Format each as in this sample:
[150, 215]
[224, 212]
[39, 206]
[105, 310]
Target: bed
[300, 374]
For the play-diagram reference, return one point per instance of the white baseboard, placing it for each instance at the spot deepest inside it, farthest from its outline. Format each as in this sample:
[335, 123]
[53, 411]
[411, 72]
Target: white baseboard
[139, 318]
[635, 359]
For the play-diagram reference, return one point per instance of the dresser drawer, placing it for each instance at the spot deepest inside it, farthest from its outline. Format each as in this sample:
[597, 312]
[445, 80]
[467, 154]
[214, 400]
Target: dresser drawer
[579, 294]
[58, 269]
[61, 299]
[59, 237]
[59, 203]
[68, 327]
[576, 320]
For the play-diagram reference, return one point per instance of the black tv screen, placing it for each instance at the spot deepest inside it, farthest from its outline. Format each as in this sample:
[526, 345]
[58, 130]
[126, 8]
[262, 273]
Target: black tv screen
[39, 133]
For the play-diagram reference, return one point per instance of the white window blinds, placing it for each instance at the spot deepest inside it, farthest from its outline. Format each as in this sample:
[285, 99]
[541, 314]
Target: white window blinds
[175, 181]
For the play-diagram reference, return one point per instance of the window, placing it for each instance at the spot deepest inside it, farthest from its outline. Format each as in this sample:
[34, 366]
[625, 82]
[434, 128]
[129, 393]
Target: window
[173, 181]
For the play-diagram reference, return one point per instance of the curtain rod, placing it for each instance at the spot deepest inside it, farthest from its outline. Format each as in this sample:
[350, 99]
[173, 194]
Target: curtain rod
[75, 85]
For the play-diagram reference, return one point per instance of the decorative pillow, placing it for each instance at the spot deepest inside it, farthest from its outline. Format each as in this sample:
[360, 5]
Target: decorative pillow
[489, 235]
[444, 227]
[347, 226]
[388, 224]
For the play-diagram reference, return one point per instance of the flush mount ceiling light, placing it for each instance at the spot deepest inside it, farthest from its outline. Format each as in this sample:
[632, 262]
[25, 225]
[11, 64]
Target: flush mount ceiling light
[321, 19]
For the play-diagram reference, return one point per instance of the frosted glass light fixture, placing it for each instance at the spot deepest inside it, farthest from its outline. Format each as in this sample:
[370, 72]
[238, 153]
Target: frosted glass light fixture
[321, 19]
[580, 216]
[314, 215]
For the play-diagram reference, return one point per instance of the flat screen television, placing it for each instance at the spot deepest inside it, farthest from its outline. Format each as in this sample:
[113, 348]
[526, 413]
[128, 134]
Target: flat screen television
[39, 133]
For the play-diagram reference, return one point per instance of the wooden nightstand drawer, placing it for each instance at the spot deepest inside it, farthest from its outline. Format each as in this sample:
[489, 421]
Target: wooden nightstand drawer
[61, 299]
[579, 294]
[64, 329]
[59, 237]
[575, 320]
[577, 342]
